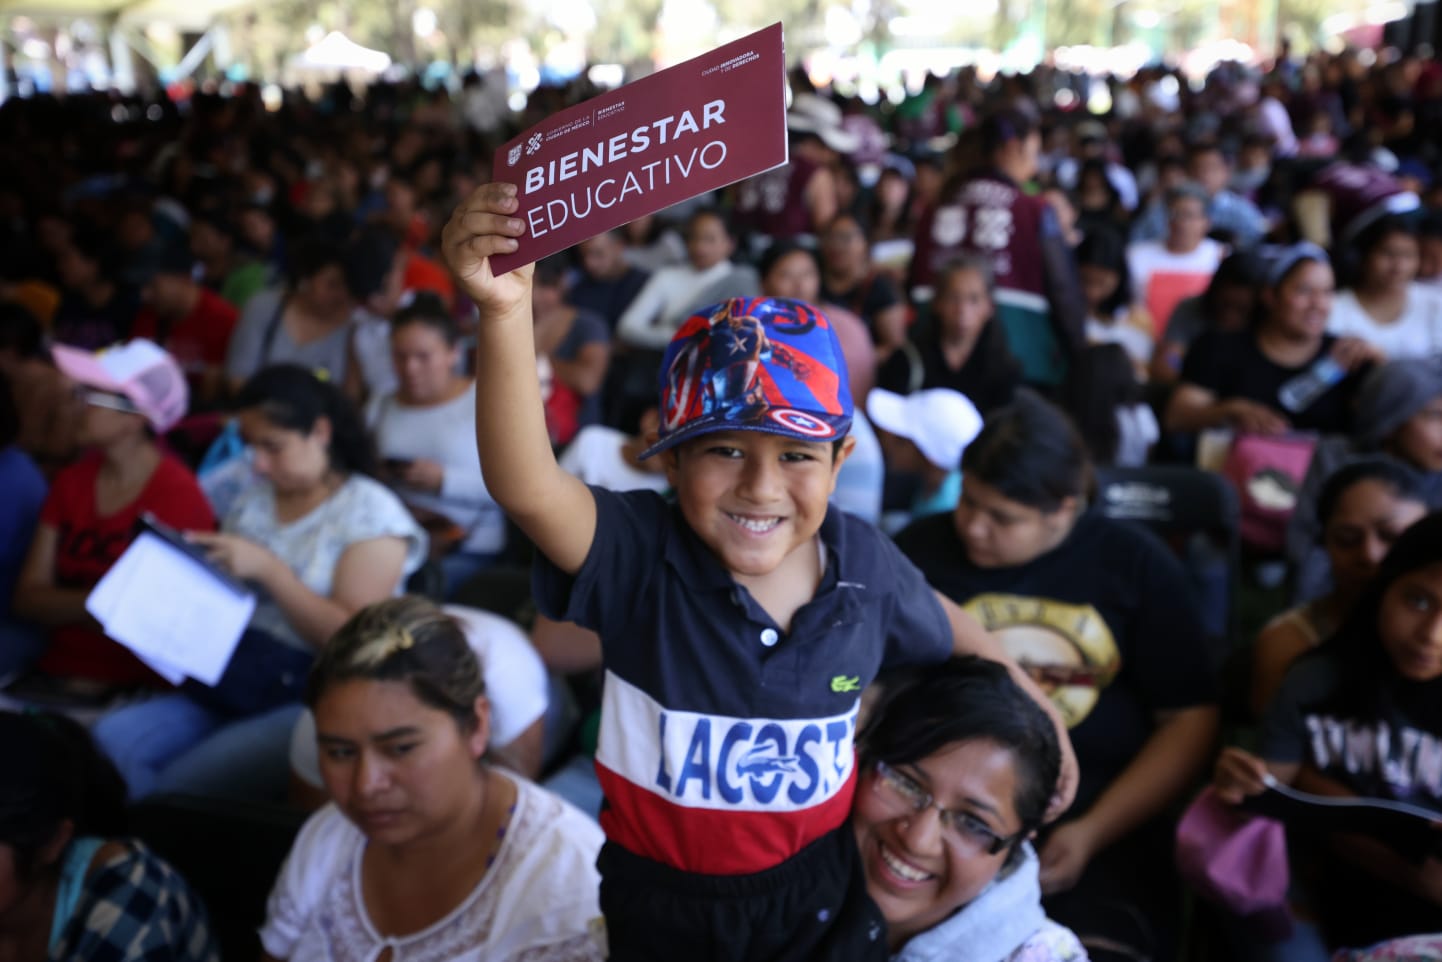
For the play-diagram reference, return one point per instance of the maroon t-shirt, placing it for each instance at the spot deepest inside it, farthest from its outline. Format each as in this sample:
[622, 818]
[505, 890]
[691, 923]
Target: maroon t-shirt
[89, 543]
[774, 203]
[990, 217]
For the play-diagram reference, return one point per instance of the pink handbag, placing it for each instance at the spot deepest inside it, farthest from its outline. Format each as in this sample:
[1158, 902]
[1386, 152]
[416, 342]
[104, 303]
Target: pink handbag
[1267, 473]
[1238, 860]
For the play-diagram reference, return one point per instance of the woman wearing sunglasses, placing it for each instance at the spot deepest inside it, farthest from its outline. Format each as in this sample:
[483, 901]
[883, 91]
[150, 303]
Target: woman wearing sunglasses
[957, 765]
[132, 394]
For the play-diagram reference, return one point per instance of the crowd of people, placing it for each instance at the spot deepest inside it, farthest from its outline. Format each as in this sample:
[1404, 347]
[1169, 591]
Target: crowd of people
[572, 584]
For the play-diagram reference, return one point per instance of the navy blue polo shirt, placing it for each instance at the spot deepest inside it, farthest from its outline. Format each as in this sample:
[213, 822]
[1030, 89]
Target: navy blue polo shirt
[725, 745]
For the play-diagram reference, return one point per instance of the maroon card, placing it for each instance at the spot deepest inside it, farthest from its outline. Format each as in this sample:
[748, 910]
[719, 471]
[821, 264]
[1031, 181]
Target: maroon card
[694, 127]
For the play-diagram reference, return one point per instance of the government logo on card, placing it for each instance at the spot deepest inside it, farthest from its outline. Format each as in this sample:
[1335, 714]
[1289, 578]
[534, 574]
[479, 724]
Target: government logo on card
[514, 155]
[533, 143]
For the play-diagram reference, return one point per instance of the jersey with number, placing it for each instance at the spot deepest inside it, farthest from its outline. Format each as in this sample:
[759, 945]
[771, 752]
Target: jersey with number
[988, 217]
[1038, 303]
[774, 203]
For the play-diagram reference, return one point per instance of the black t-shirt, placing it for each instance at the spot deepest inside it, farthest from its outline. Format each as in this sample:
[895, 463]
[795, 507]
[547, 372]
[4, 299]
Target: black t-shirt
[1381, 747]
[989, 377]
[1391, 751]
[1230, 365]
[1106, 622]
[866, 300]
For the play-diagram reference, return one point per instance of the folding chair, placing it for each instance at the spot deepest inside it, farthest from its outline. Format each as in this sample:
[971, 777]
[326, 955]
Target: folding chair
[1198, 515]
[230, 853]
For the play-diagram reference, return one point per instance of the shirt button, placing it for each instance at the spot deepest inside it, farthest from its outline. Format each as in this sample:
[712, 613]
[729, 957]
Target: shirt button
[769, 637]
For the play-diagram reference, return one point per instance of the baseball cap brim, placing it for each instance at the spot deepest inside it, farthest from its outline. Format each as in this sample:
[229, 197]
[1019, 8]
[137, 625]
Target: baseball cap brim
[140, 371]
[83, 367]
[786, 422]
[887, 410]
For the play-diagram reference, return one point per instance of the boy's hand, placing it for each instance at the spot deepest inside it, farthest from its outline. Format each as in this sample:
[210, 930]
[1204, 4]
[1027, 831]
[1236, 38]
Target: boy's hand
[483, 225]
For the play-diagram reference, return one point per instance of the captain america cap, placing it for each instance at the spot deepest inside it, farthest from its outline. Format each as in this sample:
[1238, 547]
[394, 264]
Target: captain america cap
[754, 364]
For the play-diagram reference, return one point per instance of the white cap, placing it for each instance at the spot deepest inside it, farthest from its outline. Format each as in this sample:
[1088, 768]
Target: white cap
[939, 421]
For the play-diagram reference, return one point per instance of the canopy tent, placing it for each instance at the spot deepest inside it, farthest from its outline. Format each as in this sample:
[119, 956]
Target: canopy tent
[337, 52]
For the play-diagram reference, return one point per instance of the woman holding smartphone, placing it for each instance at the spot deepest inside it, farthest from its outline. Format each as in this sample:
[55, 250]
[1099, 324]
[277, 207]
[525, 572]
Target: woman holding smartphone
[425, 433]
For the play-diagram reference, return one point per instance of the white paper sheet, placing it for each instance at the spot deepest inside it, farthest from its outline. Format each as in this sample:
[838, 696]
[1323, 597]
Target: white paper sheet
[177, 616]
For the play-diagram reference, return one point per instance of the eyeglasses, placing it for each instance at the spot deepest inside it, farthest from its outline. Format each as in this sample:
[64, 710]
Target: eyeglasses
[963, 829]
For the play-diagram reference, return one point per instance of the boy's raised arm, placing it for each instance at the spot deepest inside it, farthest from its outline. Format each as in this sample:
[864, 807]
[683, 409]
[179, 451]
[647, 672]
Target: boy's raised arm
[555, 510]
[970, 638]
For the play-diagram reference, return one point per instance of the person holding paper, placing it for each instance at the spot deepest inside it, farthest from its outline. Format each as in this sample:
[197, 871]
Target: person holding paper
[132, 393]
[739, 623]
[1362, 716]
[317, 539]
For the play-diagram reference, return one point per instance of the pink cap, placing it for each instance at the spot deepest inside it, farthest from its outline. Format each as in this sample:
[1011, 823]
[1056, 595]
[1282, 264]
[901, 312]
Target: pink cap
[140, 371]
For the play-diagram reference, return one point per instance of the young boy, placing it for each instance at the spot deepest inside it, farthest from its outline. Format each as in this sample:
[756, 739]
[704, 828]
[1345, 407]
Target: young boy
[739, 624]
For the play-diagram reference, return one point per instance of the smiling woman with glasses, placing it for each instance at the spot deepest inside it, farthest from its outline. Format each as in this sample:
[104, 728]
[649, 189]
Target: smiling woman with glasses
[957, 765]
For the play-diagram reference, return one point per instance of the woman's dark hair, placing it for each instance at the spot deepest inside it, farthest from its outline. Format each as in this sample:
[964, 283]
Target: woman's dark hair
[551, 271]
[1353, 256]
[427, 308]
[1371, 678]
[1001, 127]
[1430, 226]
[20, 331]
[366, 260]
[925, 711]
[1237, 269]
[407, 639]
[1097, 167]
[53, 774]
[702, 213]
[778, 252]
[1031, 453]
[96, 246]
[1402, 481]
[292, 397]
[1107, 249]
[1101, 380]
[311, 255]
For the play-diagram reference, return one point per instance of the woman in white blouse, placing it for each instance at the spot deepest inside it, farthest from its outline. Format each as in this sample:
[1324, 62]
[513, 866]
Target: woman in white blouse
[1385, 305]
[427, 853]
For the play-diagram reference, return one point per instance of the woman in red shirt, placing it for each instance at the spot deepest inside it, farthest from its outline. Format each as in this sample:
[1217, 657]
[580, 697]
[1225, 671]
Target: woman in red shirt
[131, 394]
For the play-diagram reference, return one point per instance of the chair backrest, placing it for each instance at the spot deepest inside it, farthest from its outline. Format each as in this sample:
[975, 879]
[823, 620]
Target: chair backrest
[1170, 498]
[230, 853]
[1197, 513]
